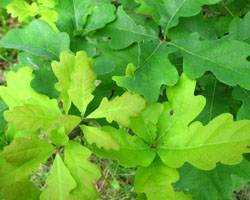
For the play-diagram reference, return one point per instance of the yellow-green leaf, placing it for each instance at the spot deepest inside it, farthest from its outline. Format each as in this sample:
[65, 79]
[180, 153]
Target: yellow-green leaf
[100, 138]
[22, 9]
[60, 182]
[120, 109]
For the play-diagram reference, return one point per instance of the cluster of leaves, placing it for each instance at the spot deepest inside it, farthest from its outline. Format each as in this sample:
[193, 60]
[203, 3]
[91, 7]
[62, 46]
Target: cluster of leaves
[188, 59]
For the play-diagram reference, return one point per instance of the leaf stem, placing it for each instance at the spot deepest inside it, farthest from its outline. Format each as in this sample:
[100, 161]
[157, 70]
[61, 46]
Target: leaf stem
[140, 14]
[228, 10]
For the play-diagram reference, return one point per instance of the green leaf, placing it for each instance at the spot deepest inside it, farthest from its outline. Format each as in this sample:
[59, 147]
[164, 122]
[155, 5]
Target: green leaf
[206, 28]
[12, 133]
[119, 109]
[222, 140]
[83, 171]
[244, 96]
[60, 182]
[213, 184]
[37, 38]
[72, 15]
[101, 15]
[58, 136]
[145, 125]
[169, 11]
[133, 150]
[48, 3]
[239, 28]
[32, 117]
[3, 108]
[155, 180]
[215, 56]
[20, 94]
[202, 146]
[22, 157]
[124, 27]
[76, 79]
[181, 109]
[182, 196]
[218, 98]
[3, 4]
[69, 122]
[49, 16]
[154, 70]
[101, 138]
[22, 9]
[82, 82]
[63, 70]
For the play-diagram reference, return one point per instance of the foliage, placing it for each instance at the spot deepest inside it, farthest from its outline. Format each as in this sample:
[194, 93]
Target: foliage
[84, 69]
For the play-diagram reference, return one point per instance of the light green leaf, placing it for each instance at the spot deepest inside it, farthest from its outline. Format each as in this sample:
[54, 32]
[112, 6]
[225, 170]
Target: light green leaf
[12, 132]
[58, 136]
[49, 16]
[83, 171]
[69, 122]
[202, 146]
[63, 70]
[32, 117]
[37, 38]
[76, 79]
[101, 138]
[133, 150]
[22, 9]
[82, 81]
[22, 93]
[124, 27]
[101, 15]
[217, 56]
[169, 11]
[155, 180]
[60, 182]
[222, 140]
[239, 28]
[119, 109]
[181, 109]
[213, 184]
[154, 70]
[182, 196]
[145, 125]
[72, 15]
[22, 157]
[244, 96]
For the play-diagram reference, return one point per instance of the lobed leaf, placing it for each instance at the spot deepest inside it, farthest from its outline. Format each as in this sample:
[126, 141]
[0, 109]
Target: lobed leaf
[119, 109]
[154, 70]
[169, 11]
[133, 151]
[155, 180]
[101, 138]
[83, 171]
[217, 56]
[22, 157]
[37, 38]
[60, 182]
[76, 79]
[22, 9]
[124, 27]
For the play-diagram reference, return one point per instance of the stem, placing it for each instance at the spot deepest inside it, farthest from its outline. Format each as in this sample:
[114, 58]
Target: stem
[140, 14]
[228, 10]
